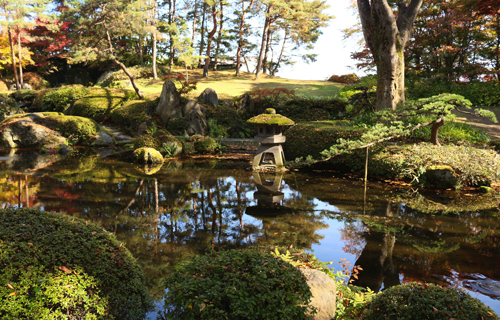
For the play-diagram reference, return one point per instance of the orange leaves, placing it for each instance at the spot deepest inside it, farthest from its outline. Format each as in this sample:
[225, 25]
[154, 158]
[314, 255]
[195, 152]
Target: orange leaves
[66, 269]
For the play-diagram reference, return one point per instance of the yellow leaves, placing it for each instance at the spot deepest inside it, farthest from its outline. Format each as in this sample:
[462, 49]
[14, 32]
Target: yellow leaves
[10, 286]
[13, 294]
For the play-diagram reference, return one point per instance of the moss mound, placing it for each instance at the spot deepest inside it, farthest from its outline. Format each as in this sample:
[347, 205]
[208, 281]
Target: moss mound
[418, 301]
[199, 145]
[271, 119]
[99, 103]
[57, 266]
[78, 130]
[148, 155]
[237, 284]
[132, 113]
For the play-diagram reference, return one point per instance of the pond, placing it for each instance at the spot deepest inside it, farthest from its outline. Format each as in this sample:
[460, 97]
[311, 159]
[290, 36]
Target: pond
[167, 215]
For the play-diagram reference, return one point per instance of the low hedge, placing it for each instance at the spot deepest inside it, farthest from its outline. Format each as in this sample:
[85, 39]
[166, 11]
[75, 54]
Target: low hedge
[236, 284]
[313, 109]
[311, 138]
[419, 301]
[54, 266]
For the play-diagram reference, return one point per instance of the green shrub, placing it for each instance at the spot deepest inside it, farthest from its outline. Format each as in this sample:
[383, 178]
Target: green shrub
[311, 138]
[313, 109]
[54, 266]
[24, 95]
[178, 126]
[161, 140]
[418, 301]
[473, 166]
[480, 93]
[59, 100]
[203, 145]
[228, 119]
[236, 284]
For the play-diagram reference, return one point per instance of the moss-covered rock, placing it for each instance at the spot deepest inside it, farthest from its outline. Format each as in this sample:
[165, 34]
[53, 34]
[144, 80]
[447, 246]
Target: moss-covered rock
[441, 177]
[132, 113]
[161, 140]
[200, 144]
[45, 128]
[147, 155]
[57, 266]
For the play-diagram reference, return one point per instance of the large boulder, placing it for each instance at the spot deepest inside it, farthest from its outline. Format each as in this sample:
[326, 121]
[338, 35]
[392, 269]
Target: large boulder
[28, 132]
[30, 161]
[441, 177]
[102, 140]
[324, 293]
[169, 105]
[247, 104]
[196, 118]
[209, 96]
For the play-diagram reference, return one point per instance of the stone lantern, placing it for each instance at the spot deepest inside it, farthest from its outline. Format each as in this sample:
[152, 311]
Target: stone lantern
[269, 155]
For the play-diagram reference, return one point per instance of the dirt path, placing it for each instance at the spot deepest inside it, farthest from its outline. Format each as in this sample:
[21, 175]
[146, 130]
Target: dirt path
[493, 129]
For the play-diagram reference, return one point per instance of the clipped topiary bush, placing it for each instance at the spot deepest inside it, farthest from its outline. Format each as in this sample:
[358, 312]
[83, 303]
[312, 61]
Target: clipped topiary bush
[236, 284]
[54, 266]
[203, 145]
[418, 301]
[99, 103]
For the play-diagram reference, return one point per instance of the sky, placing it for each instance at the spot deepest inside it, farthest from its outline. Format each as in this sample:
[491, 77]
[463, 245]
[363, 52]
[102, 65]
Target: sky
[333, 53]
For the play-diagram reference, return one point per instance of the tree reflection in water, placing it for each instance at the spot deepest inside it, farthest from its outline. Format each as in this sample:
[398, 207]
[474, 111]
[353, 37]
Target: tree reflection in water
[185, 209]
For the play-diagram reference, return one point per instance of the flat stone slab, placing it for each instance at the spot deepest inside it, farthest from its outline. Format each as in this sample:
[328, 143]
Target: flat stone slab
[238, 142]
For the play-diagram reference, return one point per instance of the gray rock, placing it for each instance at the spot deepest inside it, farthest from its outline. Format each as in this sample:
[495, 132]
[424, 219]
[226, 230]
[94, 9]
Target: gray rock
[324, 293]
[29, 162]
[27, 133]
[209, 96]
[169, 105]
[102, 140]
[246, 104]
[191, 106]
[197, 122]
[25, 86]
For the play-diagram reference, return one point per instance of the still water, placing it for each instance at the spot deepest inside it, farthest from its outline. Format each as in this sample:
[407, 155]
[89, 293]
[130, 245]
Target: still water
[170, 214]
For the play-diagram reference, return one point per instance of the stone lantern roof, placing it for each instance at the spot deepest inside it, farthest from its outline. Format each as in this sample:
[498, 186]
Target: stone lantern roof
[271, 118]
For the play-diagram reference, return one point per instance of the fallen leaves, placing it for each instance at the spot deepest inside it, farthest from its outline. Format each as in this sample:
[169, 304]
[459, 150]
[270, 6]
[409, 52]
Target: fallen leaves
[10, 286]
[65, 269]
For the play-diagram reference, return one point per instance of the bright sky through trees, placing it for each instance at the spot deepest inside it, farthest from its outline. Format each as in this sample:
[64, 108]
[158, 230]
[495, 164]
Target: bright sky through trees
[333, 53]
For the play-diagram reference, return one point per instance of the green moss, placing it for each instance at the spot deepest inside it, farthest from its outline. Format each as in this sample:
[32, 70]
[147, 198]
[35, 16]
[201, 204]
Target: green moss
[271, 119]
[148, 155]
[201, 144]
[132, 113]
[77, 130]
[99, 103]
[58, 266]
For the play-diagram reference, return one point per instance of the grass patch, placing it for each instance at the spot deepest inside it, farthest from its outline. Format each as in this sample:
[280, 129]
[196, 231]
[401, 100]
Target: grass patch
[225, 83]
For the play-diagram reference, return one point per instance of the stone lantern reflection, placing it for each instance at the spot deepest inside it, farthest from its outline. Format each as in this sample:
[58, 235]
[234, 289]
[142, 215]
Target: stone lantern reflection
[269, 155]
[268, 195]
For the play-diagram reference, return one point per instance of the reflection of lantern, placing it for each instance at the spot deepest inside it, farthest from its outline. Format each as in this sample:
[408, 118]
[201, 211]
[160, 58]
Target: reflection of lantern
[268, 196]
[270, 154]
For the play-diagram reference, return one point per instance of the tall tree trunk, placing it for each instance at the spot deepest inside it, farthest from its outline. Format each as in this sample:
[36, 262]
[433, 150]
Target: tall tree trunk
[154, 39]
[277, 65]
[202, 32]
[195, 15]
[219, 35]
[267, 23]
[141, 54]
[266, 52]
[13, 57]
[386, 37]
[121, 65]
[240, 35]
[171, 20]
[209, 44]
[21, 82]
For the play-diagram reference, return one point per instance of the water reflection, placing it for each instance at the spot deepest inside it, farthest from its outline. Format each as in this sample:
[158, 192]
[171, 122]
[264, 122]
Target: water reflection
[169, 214]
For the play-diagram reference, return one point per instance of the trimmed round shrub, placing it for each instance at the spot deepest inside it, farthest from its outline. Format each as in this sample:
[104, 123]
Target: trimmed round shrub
[54, 266]
[418, 301]
[203, 145]
[237, 284]
[61, 99]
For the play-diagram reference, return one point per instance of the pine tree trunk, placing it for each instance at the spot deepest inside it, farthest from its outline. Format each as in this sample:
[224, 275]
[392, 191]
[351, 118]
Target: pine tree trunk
[219, 35]
[209, 45]
[202, 32]
[435, 131]
[195, 15]
[171, 20]
[141, 55]
[155, 73]
[267, 23]
[266, 52]
[240, 35]
[13, 57]
[273, 71]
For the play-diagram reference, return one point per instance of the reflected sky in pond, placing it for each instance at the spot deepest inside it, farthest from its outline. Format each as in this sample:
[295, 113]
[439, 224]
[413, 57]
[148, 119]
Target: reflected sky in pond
[169, 214]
